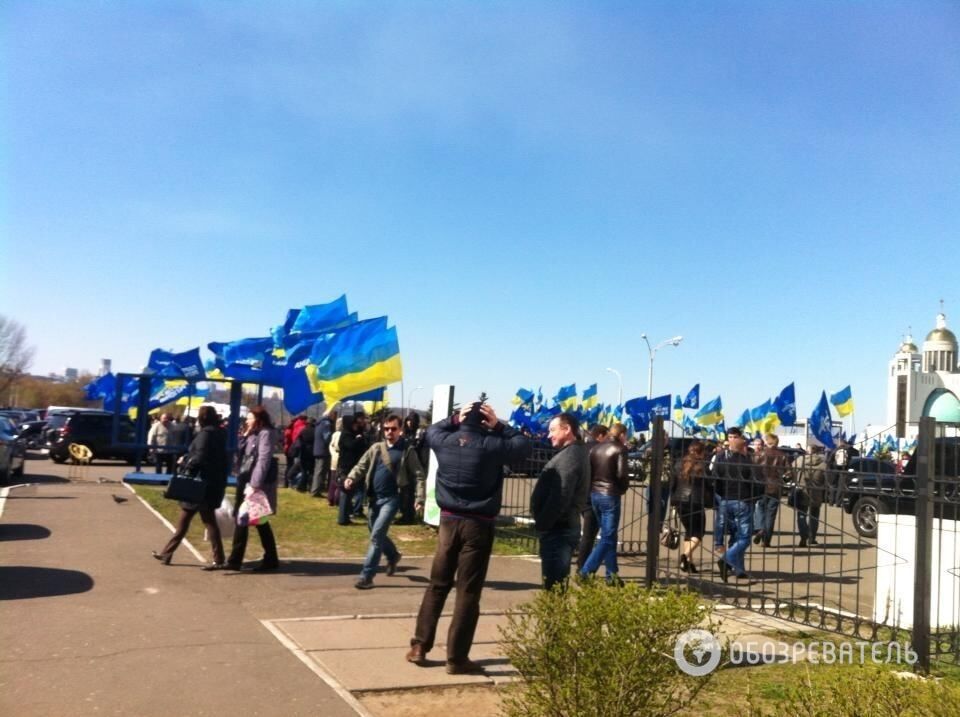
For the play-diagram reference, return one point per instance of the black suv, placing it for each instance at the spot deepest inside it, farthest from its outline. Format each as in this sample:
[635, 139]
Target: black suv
[93, 429]
[873, 487]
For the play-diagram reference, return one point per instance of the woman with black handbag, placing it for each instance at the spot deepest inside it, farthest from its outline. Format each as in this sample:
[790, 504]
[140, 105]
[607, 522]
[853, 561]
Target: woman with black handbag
[207, 458]
[258, 471]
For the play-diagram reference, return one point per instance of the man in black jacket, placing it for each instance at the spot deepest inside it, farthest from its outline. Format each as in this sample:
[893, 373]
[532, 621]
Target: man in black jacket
[471, 449]
[737, 490]
[558, 498]
[321, 453]
[353, 444]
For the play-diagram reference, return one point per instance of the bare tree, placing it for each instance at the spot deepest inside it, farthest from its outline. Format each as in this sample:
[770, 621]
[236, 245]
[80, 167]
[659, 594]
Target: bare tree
[15, 355]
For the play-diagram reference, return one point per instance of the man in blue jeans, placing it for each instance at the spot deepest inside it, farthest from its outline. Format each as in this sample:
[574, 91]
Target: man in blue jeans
[738, 490]
[558, 498]
[386, 468]
[608, 483]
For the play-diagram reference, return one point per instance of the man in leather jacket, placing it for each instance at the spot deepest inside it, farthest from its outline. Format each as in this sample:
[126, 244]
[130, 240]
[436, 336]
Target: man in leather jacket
[608, 483]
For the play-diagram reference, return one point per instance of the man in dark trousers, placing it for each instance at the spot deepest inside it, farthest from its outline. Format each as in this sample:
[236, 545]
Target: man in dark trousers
[321, 453]
[559, 497]
[304, 451]
[471, 449]
[353, 444]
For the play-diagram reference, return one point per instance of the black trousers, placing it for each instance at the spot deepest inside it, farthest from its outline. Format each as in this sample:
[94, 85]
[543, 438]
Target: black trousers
[266, 539]
[321, 476]
[588, 535]
[209, 520]
[166, 461]
[462, 558]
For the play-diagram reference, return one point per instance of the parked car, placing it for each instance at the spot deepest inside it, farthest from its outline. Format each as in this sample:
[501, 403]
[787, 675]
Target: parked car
[873, 487]
[12, 451]
[32, 434]
[93, 429]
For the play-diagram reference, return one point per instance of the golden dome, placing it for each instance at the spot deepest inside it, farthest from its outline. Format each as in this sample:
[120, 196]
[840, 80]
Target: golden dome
[908, 347]
[944, 334]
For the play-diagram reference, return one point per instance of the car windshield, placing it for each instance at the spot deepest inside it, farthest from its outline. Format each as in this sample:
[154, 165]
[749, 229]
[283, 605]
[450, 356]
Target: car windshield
[6, 426]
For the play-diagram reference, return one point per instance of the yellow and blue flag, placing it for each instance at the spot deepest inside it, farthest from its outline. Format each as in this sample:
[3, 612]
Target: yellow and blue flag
[567, 397]
[355, 359]
[843, 402]
[711, 413]
[319, 316]
[523, 397]
[678, 410]
[590, 397]
[693, 398]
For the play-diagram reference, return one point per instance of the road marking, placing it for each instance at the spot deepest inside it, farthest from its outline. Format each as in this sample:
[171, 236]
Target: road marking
[4, 492]
[167, 523]
[331, 681]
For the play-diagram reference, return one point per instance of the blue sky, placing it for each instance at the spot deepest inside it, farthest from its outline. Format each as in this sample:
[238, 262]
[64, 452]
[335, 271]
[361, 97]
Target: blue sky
[524, 188]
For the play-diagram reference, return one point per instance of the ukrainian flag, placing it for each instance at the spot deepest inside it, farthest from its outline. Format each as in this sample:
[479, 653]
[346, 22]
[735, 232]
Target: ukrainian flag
[590, 398]
[567, 397]
[711, 413]
[678, 411]
[843, 402]
[523, 397]
[358, 358]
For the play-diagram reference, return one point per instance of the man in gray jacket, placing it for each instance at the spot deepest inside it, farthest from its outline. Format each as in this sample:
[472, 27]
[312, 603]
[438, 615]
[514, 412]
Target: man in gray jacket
[559, 497]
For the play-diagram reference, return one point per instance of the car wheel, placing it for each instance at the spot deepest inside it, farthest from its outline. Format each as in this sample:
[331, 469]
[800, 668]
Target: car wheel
[865, 514]
[56, 458]
[19, 472]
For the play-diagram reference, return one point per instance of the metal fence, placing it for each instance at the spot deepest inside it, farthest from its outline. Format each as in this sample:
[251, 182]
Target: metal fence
[862, 549]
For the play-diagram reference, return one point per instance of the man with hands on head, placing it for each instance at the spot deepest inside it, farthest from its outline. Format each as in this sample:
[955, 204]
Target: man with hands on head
[471, 447]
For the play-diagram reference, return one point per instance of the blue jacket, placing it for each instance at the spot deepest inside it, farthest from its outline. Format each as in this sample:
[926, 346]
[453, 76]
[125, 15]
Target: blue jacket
[321, 438]
[470, 463]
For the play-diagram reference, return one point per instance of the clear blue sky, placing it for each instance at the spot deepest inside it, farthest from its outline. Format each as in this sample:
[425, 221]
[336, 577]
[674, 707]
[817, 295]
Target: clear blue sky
[523, 187]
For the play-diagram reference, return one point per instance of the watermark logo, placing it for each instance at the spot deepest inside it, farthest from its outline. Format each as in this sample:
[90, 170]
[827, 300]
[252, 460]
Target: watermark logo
[697, 652]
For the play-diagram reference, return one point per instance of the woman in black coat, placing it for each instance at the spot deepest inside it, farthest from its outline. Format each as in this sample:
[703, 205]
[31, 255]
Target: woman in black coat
[206, 457]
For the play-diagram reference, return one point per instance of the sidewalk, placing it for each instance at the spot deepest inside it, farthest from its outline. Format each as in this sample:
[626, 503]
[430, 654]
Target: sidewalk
[91, 624]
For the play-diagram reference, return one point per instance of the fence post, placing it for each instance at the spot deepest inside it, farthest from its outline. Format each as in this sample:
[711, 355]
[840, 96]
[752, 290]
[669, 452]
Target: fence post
[925, 479]
[653, 517]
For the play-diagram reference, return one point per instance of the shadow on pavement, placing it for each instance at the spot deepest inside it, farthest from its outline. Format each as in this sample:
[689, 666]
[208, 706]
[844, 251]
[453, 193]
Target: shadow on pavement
[18, 582]
[40, 478]
[23, 531]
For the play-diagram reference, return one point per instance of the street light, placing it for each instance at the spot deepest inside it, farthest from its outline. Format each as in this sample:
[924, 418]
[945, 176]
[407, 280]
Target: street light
[620, 380]
[675, 341]
[411, 397]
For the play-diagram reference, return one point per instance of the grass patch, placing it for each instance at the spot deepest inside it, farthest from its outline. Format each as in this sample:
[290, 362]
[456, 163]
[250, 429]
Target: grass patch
[307, 527]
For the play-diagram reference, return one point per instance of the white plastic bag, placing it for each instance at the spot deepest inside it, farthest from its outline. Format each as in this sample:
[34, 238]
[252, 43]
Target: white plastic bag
[225, 520]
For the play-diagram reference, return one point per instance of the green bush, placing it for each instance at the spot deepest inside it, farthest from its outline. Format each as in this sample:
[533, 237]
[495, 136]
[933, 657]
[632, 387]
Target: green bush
[600, 651]
[862, 691]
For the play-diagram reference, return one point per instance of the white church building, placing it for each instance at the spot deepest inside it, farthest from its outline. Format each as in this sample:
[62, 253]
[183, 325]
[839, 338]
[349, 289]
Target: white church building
[924, 382]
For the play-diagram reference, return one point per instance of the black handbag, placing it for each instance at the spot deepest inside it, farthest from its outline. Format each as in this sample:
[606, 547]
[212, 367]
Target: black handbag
[185, 488]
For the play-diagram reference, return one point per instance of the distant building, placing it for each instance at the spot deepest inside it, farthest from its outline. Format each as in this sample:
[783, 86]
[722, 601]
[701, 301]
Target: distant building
[924, 383]
[105, 365]
[71, 374]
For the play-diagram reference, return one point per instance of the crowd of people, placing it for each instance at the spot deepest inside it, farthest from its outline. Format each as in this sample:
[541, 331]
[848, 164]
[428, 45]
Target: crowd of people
[575, 502]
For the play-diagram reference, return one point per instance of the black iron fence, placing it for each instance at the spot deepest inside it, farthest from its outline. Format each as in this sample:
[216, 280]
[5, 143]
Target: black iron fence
[866, 548]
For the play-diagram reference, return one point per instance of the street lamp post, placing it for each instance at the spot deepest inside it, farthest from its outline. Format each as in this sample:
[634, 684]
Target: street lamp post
[620, 384]
[411, 398]
[675, 341]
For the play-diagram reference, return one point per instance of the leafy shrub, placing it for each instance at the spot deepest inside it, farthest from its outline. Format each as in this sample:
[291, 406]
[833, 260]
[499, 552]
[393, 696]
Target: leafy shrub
[600, 651]
[862, 691]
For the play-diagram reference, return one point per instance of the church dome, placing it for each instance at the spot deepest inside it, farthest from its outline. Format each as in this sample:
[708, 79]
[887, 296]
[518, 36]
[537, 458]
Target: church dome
[941, 334]
[908, 347]
[940, 348]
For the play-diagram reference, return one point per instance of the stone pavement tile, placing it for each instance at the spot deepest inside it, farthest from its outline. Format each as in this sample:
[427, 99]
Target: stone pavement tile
[351, 633]
[386, 669]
